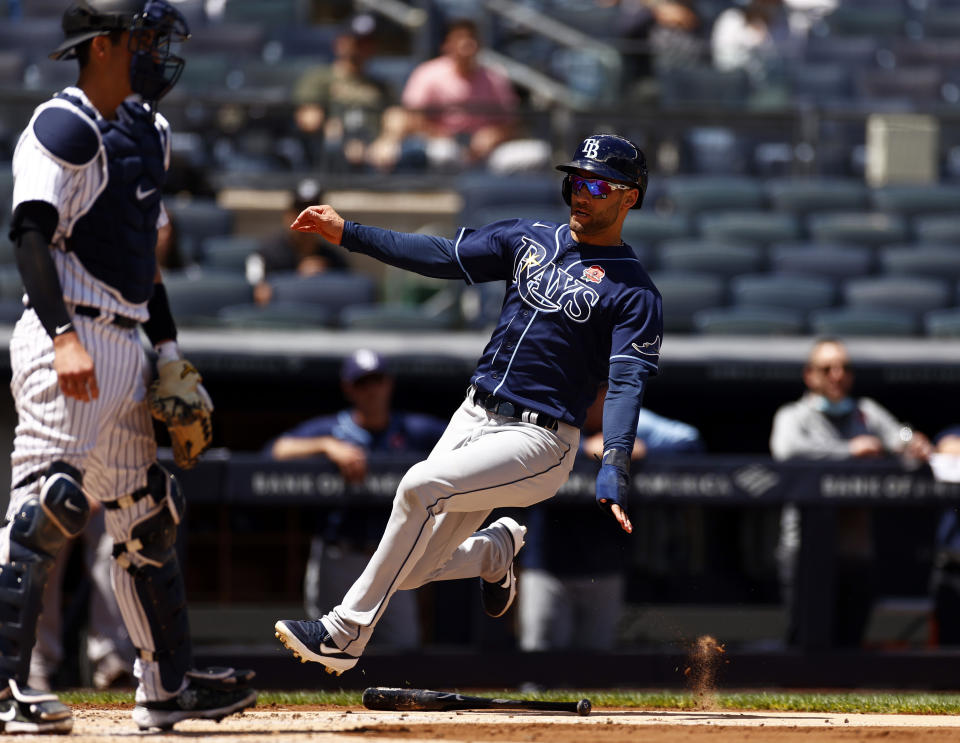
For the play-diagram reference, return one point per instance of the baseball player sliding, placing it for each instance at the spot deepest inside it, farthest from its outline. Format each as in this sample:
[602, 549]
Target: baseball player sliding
[579, 310]
[88, 171]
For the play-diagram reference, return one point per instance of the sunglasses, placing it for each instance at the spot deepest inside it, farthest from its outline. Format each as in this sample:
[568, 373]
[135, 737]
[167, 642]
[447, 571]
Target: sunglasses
[598, 188]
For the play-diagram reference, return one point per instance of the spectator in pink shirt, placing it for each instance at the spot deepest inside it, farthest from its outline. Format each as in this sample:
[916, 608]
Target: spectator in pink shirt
[460, 109]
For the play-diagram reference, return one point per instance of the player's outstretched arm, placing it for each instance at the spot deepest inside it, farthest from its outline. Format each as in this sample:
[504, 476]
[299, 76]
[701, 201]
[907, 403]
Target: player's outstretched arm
[321, 219]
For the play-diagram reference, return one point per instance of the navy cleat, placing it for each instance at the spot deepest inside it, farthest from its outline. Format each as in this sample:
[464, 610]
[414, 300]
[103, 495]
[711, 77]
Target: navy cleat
[24, 710]
[212, 694]
[309, 640]
[498, 596]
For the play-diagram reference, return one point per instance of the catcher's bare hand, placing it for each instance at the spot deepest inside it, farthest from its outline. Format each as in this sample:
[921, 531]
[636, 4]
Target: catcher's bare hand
[178, 399]
[74, 367]
[321, 219]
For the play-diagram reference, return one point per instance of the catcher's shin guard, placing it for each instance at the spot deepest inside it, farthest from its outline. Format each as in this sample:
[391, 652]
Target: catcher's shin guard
[150, 557]
[38, 532]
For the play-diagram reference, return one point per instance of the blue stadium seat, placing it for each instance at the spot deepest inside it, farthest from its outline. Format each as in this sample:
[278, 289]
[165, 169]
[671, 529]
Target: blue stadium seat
[821, 259]
[934, 261]
[925, 51]
[709, 257]
[197, 220]
[942, 24]
[692, 194]
[863, 228]
[395, 318]
[777, 290]
[279, 315]
[714, 150]
[803, 195]
[648, 227]
[862, 321]
[196, 299]
[528, 191]
[919, 85]
[851, 51]
[11, 68]
[942, 323]
[754, 227]
[559, 212]
[235, 41]
[748, 321]
[227, 252]
[937, 228]
[34, 38]
[392, 71]
[880, 20]
[333, 289]
[919, 199]
[696, 86]
[11, 285]
[820, 83]
[906, 293]
[684, 293]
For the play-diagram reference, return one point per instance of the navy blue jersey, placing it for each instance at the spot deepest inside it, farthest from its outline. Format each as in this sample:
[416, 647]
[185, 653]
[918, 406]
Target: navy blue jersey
[411, 432]
[569, 310]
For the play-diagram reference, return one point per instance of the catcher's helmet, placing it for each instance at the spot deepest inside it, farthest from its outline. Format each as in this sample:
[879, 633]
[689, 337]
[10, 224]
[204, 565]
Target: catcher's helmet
[612, 158]
[153, 25]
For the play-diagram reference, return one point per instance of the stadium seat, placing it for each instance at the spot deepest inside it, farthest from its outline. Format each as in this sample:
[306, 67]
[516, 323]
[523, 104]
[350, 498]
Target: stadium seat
[290, 315]
[714, 150]
[788, 292]
[920, 199]
[229, 40]
[10, 311]
[395, 317]
[481, 190]
[392, 71]
[863, 228]
[696, 86]
[262, 12]
[821, 83]
[644, 229]
[853, 52]
[943, 53]
[227, 252]
[34, 38]
[48, 74]
[748, 321]
[301, 41]
[559, 212]
[934, 261]
[11, 69]
[942, 24]
[852, 321]
[920, 85]
[880, 20]
[937, 228]
[907, 293]
[197, 299]
[684, 293]
[754, 227]
[942, 323]
[11, 285]
[692, 194]
[804, 195]
[710, 257]
[197, 220]
[332, 289]
[821, 259]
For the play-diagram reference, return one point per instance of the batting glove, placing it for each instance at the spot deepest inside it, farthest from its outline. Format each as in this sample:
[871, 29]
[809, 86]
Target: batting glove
[612, 479]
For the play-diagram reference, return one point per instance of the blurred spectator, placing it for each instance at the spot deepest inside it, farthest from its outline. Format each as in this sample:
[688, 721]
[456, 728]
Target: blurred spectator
[574, 576]
[347, 537]
[108, 648]
[945, 581]
[755, 37]
[339, 105]
[454, 109]
[290, 251]
[828, 423]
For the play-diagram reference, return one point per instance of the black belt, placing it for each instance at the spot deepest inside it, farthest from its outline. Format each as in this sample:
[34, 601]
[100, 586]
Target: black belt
[498, 406]
[119, 320]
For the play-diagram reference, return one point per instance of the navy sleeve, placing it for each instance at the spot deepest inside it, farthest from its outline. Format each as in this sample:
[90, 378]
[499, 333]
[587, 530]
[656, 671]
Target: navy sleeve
[622, 406]
[424, 254]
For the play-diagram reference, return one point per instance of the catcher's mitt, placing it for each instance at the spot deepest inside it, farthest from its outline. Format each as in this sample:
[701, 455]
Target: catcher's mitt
[178, 399]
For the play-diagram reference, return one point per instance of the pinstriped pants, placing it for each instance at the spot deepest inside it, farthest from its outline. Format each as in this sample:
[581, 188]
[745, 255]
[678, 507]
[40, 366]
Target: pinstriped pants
[109, 439]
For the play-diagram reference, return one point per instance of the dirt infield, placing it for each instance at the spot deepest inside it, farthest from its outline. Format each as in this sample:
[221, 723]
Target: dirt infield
[342, 725]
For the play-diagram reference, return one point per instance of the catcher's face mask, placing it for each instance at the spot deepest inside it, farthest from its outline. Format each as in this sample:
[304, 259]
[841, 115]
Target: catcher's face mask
[154, 37]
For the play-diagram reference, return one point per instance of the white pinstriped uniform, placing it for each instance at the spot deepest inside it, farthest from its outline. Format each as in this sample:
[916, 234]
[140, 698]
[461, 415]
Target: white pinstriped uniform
[109, 439]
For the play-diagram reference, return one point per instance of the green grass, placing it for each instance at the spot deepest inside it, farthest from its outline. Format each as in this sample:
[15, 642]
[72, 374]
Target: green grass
[923, 703]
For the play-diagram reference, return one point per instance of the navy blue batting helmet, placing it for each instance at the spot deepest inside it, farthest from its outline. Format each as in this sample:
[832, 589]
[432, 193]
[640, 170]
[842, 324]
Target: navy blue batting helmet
[612, 158]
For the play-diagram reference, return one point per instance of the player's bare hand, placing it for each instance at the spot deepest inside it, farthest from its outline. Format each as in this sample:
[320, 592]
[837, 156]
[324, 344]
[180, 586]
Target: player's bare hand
[350, 459]
[620, 515]
[74, 367]
[865, 446]
[321, 219]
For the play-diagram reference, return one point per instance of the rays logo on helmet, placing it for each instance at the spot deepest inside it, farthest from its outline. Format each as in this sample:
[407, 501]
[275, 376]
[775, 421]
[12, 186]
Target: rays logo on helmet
[549, 288]
[594, 274]
[591, 147]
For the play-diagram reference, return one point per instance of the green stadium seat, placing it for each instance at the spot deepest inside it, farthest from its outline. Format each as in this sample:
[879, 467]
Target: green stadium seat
[748, 321]
[684, 293]
[862, 321]
[788, 292]
[692, 194]
[863, 228]
[754, 227]
[814, 194]
[709, 256]
[905, 293]
[830, 261]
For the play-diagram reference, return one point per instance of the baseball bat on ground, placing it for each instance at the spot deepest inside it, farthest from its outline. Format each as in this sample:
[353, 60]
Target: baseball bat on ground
[385, 698]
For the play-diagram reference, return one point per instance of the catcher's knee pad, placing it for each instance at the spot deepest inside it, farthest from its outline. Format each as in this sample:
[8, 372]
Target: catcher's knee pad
[149, 556]
[38, 532]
